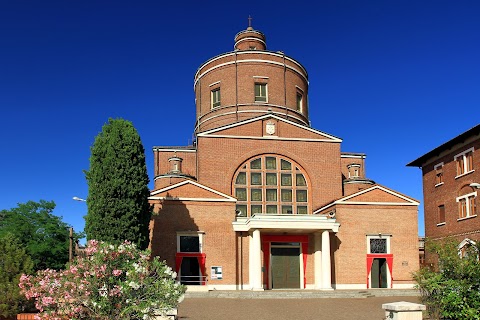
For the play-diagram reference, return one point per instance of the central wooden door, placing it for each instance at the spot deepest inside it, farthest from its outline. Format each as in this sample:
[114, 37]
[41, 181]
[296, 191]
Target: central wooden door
[285, 268]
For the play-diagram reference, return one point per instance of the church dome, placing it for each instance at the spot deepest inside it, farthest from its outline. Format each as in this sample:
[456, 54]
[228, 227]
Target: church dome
[249, 82]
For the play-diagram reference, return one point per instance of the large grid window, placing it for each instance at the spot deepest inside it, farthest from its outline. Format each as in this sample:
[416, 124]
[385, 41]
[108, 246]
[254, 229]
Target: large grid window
[270, 184]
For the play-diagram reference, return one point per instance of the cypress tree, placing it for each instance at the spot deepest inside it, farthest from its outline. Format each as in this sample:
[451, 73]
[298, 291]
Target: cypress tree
[117, 201]
[13, 263]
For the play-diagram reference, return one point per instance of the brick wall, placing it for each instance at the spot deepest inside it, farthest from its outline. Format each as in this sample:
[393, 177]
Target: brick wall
[446, 194]
[350, 243]
[214, 219]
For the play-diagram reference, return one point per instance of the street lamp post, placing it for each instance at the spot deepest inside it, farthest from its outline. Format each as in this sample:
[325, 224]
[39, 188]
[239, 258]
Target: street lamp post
[70, 251]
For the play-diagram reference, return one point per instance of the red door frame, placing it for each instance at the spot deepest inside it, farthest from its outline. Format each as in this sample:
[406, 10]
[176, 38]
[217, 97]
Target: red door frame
[386, 256]
[266, 244]
[201, 257]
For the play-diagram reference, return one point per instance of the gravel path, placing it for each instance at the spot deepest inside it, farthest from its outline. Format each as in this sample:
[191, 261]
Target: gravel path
[292, 309]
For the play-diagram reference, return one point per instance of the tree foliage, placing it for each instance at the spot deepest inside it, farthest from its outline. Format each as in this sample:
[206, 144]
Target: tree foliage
[13, 263]
[453, 290]
[118, 207]
[44, 235]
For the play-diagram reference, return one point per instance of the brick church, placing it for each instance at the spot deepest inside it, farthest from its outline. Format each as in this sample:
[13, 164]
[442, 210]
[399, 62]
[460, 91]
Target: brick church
[261, 200]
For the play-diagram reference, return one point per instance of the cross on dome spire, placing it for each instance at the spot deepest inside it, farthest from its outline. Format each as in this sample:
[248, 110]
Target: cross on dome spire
[250, 23]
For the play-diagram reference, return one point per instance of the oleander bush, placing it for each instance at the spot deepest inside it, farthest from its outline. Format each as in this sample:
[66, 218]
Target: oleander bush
[110, 282]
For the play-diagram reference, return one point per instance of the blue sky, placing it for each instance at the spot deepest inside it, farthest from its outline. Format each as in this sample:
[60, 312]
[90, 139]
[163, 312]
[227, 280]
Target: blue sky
[393, 79]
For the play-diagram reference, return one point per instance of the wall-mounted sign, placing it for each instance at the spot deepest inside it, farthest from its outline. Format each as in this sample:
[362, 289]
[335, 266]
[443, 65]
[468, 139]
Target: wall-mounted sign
[216, 273]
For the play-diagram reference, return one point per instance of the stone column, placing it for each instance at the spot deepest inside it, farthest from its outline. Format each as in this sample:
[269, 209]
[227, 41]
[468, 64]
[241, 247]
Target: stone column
[326, 265]
[256, 263]
[318, 260]
[250, 261]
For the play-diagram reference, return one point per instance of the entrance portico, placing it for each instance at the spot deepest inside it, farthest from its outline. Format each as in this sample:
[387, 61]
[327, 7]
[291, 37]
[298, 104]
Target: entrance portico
[288, 230]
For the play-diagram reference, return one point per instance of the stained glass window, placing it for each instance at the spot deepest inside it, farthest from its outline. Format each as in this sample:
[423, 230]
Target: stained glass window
[272, 209]
[271, 194]
[301, 209]
[287, 210]
[256, 178]
[286, 165]
[271, 179]
[301, 195]
[301, 180]
[256, 194]
[241, 194]
[378, 245]
[241, 178]
[256, 209]
[242, 210]
[271, 163]
[256, 164]
[287, 195]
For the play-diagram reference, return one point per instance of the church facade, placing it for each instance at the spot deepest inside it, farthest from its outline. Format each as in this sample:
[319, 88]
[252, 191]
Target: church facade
[261, 200]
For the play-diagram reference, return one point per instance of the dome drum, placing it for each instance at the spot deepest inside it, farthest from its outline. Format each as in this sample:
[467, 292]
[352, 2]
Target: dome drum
[247, 84]
[250, 40]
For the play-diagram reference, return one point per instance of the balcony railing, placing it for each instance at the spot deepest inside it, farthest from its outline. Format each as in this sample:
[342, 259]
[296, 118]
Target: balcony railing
[193, 280]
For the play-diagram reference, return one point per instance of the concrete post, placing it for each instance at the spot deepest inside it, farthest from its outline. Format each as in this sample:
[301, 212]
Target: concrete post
[168, 315]
[403, 310]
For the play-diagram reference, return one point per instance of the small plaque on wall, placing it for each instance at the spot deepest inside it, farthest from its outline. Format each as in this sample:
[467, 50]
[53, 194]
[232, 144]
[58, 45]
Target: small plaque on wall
[216, 273]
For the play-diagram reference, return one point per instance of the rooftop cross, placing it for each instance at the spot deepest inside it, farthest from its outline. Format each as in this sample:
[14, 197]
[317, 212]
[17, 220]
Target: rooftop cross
[249, 21]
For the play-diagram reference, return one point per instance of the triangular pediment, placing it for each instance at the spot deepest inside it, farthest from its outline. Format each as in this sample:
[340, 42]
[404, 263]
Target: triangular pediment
[189, 190]
[270, 127]
[376, 195]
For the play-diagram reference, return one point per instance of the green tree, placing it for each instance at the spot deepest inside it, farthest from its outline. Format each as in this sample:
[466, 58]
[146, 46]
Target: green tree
[44, 235]
[13, 263]
[118, 207]
[452, 291]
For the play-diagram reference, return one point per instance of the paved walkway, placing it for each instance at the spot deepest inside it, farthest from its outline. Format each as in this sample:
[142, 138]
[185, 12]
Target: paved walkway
[265, 308]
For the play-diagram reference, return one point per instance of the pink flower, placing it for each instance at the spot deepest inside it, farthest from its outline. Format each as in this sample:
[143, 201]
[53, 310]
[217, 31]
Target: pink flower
[116, 272]
[73, 269]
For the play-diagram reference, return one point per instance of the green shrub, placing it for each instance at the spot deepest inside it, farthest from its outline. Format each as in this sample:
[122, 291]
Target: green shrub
[452, 289]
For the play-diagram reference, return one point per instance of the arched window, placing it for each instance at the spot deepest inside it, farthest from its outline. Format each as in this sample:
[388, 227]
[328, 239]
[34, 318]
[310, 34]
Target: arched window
[270, 184]
[466, 247]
